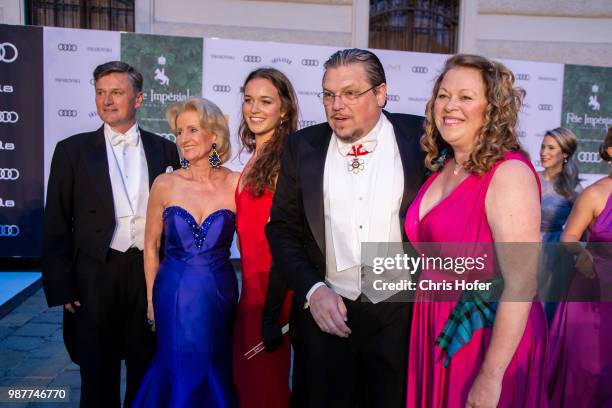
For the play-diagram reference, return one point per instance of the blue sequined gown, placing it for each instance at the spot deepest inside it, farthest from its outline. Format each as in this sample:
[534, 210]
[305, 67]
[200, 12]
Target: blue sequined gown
[194, 298]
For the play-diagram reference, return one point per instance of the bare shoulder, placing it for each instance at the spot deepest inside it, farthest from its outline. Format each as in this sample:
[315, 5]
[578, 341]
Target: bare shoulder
[166, 180]
[511, 171]
[596, 193]
[162, 182]
[225, 175]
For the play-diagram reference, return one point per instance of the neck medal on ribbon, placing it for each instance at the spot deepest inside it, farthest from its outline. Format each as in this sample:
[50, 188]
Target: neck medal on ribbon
[356, 164]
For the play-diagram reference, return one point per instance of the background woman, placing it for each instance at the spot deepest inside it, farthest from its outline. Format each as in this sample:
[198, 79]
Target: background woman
[560, 187]
[580, 362]
[487, 192]
[269, 114]
[192, 294]
[559, 180]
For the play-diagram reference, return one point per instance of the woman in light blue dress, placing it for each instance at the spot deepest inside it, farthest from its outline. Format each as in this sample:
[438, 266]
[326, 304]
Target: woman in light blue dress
[560, 188]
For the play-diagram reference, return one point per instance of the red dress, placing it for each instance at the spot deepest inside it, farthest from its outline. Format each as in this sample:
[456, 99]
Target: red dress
[262, 381]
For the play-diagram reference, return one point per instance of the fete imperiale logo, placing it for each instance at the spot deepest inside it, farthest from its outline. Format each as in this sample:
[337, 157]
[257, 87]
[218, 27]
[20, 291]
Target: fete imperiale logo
[592, 104]
[161, 77]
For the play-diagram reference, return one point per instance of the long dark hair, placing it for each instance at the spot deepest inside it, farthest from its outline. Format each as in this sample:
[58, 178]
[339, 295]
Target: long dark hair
[565, 183]
[264, 171]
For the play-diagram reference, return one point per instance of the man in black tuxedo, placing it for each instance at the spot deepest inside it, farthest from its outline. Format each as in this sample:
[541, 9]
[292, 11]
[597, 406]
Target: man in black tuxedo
[341, 183]
[94, 235]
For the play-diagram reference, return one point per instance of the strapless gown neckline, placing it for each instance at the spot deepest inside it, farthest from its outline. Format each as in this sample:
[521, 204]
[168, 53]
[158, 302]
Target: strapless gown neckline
[199, 231]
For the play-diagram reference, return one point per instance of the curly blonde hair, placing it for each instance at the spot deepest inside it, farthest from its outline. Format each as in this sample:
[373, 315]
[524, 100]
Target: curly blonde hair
[498, 134]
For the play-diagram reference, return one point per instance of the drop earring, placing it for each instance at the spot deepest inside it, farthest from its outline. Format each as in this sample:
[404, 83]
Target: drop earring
[213, 157]
[184, 163]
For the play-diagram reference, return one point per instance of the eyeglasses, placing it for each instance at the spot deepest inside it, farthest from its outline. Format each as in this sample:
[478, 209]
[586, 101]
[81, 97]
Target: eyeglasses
[347, 97]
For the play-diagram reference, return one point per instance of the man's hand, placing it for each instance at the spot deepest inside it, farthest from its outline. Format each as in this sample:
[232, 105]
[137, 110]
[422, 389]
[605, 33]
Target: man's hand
[328, 310]
[71, 307]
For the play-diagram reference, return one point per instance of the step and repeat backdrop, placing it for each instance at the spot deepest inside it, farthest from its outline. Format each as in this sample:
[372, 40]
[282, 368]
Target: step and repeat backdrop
[47, 94]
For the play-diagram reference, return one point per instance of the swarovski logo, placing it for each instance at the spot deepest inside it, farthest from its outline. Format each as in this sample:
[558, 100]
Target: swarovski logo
[9, 117]
[6, 89]
[419, 70]
[522, 77]
[310, 62]
[9, 174]
[545, 107]
[589, 157]
[251, 58]
[67, 113]
[7, 146]
[222, 88]
[393, 98]
[7, 203]
[67, 47]
[8, 52]
[306, 123]
[9, 230]
[282, 59]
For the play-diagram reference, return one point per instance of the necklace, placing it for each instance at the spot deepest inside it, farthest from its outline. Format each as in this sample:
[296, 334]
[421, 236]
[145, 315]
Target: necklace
[458, 167]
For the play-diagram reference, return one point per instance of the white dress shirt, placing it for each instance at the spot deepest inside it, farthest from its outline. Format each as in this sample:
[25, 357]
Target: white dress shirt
[360, 206]
[127, 167]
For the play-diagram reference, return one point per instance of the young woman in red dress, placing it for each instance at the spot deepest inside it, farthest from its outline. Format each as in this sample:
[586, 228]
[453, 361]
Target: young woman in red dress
[269, 114]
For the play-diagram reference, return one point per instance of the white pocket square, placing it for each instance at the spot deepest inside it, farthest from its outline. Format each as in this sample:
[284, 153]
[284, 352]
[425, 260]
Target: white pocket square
[169, 169]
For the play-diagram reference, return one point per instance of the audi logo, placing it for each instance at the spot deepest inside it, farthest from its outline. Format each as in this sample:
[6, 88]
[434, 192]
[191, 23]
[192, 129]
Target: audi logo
[310, 62]
[545, 107]
[9, 230]
[589, 157]
[306, 123]
[8, 52]
[222, 88]
[419, 70]
[9, 174]
[67, 113]
[393, 98]
[9, 117]
[251, 58]
[67, 47]
[521, 133]
[522, 77]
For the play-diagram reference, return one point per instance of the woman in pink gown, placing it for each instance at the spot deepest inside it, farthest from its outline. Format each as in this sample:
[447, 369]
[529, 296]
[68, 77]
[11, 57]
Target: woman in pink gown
[485, 190]
[580, 352]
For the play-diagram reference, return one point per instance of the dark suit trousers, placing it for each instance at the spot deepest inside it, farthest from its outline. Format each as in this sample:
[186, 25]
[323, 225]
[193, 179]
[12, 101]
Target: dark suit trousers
[367, 369]
[110, 326]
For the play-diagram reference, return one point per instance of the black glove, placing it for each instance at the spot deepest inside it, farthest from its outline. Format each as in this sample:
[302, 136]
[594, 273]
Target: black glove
[270, 327]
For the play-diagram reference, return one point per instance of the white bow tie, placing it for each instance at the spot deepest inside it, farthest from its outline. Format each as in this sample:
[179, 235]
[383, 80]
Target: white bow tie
[130, 139]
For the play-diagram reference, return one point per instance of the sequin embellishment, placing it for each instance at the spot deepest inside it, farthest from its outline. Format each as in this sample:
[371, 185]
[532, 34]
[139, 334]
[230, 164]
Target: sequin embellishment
[199, 231]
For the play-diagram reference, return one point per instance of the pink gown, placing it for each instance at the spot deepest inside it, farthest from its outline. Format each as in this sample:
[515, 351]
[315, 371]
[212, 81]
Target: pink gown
[580, 348]
[461, 217]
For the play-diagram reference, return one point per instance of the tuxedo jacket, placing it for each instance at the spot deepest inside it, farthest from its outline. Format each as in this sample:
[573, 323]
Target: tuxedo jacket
[79, 211]
[296, 230]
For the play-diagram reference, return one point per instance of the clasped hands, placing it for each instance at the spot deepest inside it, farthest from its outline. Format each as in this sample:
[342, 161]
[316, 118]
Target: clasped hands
[329, 312]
